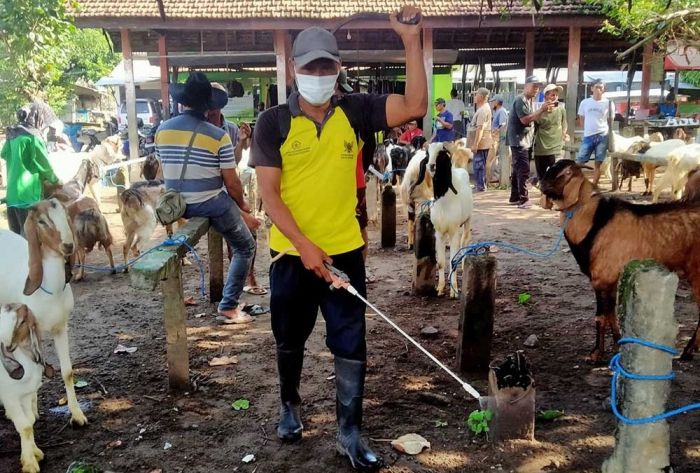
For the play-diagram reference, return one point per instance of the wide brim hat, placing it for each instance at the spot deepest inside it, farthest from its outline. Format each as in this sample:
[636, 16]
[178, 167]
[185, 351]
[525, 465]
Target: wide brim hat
[198, 93]
[551, 87]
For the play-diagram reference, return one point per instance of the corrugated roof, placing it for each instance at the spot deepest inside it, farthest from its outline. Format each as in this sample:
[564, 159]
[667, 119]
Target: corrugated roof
[313, 9]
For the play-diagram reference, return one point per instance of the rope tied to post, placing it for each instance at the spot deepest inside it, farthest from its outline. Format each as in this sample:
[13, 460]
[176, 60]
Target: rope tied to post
[172, 241]
[618, 370]
[482, 247]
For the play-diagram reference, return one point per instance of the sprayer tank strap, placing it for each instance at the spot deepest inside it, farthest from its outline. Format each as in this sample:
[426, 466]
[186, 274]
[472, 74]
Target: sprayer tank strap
[188, 152]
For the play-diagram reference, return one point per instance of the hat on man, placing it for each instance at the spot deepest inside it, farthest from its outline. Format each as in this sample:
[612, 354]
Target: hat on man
[551, 87]
[315, 43]
[198, 93]
[483, 91]
[440, 100]
[533, 80]
[496, 98]
[343, 81]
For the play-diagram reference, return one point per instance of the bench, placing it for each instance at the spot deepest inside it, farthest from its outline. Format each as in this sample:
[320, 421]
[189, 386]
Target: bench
[164, 267]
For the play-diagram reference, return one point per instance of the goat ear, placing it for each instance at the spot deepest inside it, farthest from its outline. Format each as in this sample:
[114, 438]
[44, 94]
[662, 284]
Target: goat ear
[12, 366]
[572, 191]
[70, 264]
[36, 270]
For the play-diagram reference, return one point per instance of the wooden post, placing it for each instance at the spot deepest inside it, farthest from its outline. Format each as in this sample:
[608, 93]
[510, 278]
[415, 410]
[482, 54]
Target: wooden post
[425, 262]
[647, 294]
[163, 61]
[529, 53]
[130, 89]
[372, 193]
[215, 247]
[282, 54]
[388, 217]
[176, 330]
[572, 80]
[504, 163]
[647, 57]
[476, 314]
[428, 64]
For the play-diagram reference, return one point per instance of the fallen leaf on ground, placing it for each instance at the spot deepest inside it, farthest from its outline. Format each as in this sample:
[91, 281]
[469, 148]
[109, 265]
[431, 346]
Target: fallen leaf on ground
[62, 402]
[200, 315]
[124, 349]
[440, 423]
[241, 405]
[114, 444]
[412, 444]
[248, 458]
[190, 301]
[223, 361]
[79, 384]
[523, 297]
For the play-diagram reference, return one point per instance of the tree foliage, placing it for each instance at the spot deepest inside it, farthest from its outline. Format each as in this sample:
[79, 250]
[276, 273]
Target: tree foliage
[662, 21]
[691, 77]
[42, 54]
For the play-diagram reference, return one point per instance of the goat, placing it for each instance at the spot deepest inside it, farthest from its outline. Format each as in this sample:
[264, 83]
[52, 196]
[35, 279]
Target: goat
[73, 189]
[606, 233]
[692, 187]
[451, 210]
[36, 272]
[413, 193]
[461, 156]
[680, 162]
[397, 158]
[151, 168]
[90, 228]
[23, 363]
[138, 204]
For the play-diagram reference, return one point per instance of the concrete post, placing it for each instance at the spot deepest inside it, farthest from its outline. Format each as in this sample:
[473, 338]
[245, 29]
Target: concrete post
[646, 296]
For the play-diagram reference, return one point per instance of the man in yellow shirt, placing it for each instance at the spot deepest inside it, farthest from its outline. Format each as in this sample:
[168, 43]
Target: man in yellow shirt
[305, 156]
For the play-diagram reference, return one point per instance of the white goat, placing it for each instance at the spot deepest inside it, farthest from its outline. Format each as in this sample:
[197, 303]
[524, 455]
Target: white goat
[36, 272]
[22, 360]
[681, 161]
[451, 210]
[413, 193]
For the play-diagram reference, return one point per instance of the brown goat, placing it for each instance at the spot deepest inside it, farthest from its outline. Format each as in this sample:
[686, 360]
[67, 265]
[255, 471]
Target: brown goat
[605, 234]
[691, 193]
[73, 189]
[151, 168]
[138, 205]
[91, 229]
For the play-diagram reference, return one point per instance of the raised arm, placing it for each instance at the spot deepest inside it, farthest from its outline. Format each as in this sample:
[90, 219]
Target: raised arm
[414, 102]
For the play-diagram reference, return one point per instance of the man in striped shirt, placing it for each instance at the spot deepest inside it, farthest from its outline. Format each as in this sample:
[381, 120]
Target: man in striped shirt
[210, 185]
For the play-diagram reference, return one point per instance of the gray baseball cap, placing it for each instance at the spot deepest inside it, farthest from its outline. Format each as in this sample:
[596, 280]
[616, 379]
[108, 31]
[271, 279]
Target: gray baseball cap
[315, 43]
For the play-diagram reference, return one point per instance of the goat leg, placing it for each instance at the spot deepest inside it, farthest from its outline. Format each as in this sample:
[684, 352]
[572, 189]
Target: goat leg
[692, 345]
[605, 315]
[108, 250]
[454, 248]
[62, 348]
[31, 455]
[440, 253]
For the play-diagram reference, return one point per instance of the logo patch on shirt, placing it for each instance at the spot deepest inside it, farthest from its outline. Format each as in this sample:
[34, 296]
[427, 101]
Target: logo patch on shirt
[348, 150]
[298, 148]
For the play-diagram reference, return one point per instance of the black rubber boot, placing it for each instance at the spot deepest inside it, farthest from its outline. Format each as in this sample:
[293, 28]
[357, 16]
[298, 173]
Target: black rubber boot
[350, 387]
[289, 365]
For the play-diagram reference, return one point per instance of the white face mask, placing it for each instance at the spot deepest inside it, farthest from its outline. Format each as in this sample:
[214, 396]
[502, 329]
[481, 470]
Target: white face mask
[316, 90]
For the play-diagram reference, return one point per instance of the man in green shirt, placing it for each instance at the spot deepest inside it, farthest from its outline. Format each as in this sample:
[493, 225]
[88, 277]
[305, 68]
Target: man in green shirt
[27, 162]
[551, 131]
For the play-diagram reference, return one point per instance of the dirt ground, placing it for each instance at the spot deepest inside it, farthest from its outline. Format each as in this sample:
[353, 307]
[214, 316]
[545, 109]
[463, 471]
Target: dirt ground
[137, 426]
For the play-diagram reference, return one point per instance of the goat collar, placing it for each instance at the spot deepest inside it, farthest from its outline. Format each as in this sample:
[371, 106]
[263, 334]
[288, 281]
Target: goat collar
[570, 211]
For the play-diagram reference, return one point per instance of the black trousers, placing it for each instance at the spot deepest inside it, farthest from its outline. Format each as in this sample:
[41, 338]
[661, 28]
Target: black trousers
[16, 218]
[296, 294]
[542, 163]
[519, 175]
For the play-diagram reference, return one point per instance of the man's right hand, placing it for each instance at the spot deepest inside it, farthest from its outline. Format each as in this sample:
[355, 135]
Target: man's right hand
[251, 222]
[315, 259]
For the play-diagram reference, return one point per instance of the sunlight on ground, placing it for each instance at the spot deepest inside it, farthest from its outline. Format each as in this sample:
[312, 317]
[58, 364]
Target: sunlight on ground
[447, 460]
[115, 405]
[419, 383]
[692, 452]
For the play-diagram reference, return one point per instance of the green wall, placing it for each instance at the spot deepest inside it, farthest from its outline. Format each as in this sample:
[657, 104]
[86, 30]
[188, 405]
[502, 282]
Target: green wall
[442, 85]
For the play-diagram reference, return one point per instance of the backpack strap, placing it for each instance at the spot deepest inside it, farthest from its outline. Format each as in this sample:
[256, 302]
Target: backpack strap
[188, 151]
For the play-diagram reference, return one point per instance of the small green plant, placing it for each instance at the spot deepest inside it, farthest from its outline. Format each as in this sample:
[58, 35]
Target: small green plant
[549, 414]
[478, 421]
[241, 405]
[523, 297]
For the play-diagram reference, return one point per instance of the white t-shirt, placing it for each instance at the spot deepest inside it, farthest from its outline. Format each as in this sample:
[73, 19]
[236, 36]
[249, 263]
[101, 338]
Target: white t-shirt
[595, 115]
[456, 108]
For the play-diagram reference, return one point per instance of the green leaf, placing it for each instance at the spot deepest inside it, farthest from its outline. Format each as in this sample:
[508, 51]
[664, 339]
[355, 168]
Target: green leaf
[241, 405]
[478, 421]
[81, 467]
[80, 383]
[549, 414]
[523, 297]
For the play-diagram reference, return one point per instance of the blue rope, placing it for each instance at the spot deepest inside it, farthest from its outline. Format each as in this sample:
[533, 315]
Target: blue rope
[179, 240]
[481, 247]
[618, 370]
[387, 174]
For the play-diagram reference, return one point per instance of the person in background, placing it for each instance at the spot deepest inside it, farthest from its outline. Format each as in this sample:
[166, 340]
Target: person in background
[480, 136]
[668, 109]
[595, 114]
[305, 156]
[444, 126]
[456, 107]
[551, 131]
[499, 126]
[28, 167]
[411, 132]
[211, 168]
[521, 132]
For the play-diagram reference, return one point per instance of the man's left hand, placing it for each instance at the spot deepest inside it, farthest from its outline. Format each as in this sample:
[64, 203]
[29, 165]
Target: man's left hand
[244, 131]
[400, 21]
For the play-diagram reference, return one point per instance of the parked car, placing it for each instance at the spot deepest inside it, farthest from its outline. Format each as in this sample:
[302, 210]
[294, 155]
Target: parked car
[147, 110]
